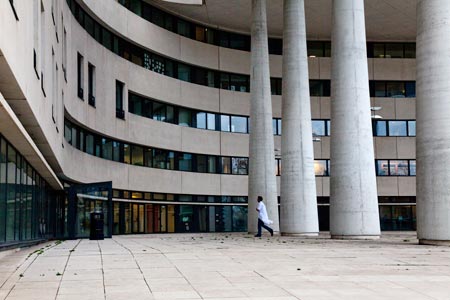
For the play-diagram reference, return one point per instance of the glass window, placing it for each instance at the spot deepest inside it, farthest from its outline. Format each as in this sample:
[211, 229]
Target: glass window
[224, 81]
[412, 168]
[159, 111]
[202, 163]
[201, 120]
[212, 163]
[159, 159]
[239, 124]
[238, 83]
[184, 72]
[240, 165]
[320, 167]
[225, 165]
[318, 127]
[185, 162]
[107, 149]
[119, 99]
[170, 117]
[410, 89]
[135, 105]
[315, 88]
[380, 89]
[398, 168]
[224, 123]
[380, 128]
[137, 155]
[394, 50]
[211, 118]
[278, 122]
[382, 168]
[148, 160]
[397, 128]
[378, 50]
[315, 49]
[224, 39]
[183, 28]
[274, 126]
[89, 144]
[395, 89]
[126, 154]
[411, 128]
[410, 50]
[116, 151]
[184, 117]
[106, 38]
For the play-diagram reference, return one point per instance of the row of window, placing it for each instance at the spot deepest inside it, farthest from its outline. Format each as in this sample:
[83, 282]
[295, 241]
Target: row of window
[395, 167]
[173, 114]
[111, 149]
[135, 195]
[25, 204]
[238, 41]
[211, 78]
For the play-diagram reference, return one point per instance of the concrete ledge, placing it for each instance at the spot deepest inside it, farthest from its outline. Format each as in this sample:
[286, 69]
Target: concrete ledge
[11, 246]
[303, 234]
[434, 242]
[355, 237]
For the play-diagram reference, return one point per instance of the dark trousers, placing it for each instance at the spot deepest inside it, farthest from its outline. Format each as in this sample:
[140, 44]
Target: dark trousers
[261, 224]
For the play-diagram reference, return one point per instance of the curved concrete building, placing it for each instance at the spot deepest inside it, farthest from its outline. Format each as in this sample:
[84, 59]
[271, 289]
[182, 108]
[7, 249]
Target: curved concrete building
[142, 110]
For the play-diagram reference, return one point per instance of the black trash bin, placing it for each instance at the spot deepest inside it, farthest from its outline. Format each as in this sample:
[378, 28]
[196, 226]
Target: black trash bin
[97, 222]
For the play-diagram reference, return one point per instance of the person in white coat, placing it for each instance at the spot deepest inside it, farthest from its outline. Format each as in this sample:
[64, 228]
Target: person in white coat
[263, 218]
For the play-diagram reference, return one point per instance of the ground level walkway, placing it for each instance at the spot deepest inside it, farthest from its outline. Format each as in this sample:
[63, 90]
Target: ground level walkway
[232, 266]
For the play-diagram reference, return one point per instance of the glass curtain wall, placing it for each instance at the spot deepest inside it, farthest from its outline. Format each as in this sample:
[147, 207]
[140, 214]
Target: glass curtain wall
[27, 203]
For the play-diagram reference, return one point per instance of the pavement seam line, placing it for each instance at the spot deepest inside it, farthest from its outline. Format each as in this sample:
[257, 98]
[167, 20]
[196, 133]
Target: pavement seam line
[65, 266]
[137, 264]
[103, 270]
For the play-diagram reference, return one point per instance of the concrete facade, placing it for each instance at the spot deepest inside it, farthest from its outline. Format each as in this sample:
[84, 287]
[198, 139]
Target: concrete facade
[42, 104]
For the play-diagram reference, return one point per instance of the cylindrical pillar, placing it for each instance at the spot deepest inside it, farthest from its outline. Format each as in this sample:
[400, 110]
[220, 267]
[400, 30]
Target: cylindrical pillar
[261, 179]
[433, 121]
[298, 211]
[353, 187]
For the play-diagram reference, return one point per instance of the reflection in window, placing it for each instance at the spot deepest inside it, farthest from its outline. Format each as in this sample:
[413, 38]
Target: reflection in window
[398, 168]
[185, 162]
[382, 167]
[318, 128]
[225, 165]
[240, 165]
[320, 168]
[224, 123]
[397, 128]
[238, 124]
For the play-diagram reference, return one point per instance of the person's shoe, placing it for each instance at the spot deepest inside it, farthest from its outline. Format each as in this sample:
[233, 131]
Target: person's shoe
[271, 232]
[257, 235]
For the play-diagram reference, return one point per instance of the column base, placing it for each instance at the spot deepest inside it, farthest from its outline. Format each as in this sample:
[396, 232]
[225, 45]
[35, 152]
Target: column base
[304, 234]
[355, 237]
[434, 242]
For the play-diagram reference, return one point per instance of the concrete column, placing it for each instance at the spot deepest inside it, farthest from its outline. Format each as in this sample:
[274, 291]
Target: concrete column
[433, 121]
[261, 180]
[298, 213]
[353, 187]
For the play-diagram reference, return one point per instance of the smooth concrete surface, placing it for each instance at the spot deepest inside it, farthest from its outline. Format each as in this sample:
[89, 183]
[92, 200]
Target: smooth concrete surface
[433, 121]
[298, 205]
[228, 266]
[261, 179]
[353, 186]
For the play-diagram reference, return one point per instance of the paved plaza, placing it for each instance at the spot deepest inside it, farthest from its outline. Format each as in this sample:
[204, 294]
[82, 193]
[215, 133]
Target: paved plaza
[227, 266]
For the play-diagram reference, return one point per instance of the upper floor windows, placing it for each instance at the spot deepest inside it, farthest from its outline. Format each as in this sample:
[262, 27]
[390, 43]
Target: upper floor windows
[394, 128]
[80, 76]
[239, 41]
[119, 99]
[213, 78]
[393, 89]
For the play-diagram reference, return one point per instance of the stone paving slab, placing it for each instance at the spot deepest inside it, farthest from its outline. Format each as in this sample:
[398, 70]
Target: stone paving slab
[227, 266]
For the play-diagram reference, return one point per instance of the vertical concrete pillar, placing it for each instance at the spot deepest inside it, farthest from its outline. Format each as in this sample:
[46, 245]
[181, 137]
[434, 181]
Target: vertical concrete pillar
[433, 121]
[353, 188]
[298, 211]
[261, 179]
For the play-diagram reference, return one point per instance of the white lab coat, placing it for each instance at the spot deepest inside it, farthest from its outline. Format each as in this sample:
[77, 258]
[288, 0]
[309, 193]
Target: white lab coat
[262, 213]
